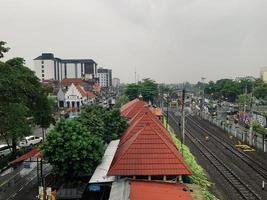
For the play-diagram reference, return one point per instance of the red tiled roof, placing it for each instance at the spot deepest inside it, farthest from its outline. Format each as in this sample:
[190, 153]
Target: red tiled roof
[84, 93]
[32, 153]
[134, 109]
[139, 121]
[69, 81]
[148, 152]
[144, 190]
[128, 105]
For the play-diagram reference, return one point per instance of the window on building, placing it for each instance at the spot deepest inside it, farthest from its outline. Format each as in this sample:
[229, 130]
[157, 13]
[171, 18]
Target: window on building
[42, 71]
[42, 75]
[42, 66]
[42, 62]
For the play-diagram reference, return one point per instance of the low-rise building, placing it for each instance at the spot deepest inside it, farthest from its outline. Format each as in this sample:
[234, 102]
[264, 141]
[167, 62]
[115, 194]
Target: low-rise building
[74, 96]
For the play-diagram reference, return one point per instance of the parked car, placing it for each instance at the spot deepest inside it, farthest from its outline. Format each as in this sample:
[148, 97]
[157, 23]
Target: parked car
[5, 150]
[30, 141]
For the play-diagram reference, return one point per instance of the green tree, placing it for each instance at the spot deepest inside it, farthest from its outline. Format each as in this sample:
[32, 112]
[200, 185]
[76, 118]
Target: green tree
[149, 90]
[133, 91]
[103, 122]
[14, 123]
[244, 99]
[260, 91]
[115, 125]
[72, 149]
[3, 49]
[120, 101]
[93, 122]
[19, 86]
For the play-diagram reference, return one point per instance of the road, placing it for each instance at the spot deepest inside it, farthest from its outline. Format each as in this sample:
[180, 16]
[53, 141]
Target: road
[21, 183]
[37, 131]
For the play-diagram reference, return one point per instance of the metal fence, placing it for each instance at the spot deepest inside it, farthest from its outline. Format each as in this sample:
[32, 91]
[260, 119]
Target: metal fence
[258, 141]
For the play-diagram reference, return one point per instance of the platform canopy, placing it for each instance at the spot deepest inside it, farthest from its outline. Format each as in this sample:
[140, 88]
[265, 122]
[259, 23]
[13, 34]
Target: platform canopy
[100, 174]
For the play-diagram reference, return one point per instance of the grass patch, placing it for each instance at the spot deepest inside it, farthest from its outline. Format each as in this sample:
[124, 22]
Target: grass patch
[199, 176]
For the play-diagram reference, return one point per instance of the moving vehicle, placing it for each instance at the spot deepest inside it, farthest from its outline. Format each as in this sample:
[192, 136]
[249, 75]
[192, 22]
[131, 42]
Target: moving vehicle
[5, 150]
[30, 141]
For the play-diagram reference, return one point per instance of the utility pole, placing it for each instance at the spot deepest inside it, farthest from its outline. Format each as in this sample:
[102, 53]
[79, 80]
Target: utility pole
[246, 93]
[135, 75]
[251, 118]
[183, 121]
[203, 95]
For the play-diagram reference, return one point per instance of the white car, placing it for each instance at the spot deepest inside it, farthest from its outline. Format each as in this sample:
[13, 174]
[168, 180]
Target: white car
[30, 141]
[5, 150]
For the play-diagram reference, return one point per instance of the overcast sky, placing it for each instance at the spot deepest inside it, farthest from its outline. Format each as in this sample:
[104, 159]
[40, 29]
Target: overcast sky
[167, 40]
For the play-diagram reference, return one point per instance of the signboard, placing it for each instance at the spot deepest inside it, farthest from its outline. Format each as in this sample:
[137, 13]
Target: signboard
[94, 188]
[260, 119]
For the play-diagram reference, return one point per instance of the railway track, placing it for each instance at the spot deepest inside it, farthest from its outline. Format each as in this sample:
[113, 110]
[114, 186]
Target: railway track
[256, 166]
[242, 189]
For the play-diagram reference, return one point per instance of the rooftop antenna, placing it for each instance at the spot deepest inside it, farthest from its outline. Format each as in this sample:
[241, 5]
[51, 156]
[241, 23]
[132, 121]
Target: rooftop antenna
[135, 75]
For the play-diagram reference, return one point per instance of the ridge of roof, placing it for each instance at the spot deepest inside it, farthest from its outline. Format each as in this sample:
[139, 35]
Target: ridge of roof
[142, 121]
[127, 105]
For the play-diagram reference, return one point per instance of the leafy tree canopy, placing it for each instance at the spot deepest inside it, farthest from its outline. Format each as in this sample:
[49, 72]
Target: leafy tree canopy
[147, 88]
[108, 124]
[120, 101]
[3, 49]
[21, 89]
[228, 89]
[72, 149]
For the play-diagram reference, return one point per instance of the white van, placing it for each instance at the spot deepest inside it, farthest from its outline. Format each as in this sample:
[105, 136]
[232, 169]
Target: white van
[30, 141]
[5, 150]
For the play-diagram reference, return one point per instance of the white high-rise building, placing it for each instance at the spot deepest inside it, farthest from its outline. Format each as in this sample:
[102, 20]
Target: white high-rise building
[105, 77]
[48, 67]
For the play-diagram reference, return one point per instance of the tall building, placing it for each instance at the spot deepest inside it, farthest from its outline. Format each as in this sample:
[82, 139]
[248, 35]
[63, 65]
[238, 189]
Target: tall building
[48, 67]
[105, 77]
[263, 74]
[115, 82]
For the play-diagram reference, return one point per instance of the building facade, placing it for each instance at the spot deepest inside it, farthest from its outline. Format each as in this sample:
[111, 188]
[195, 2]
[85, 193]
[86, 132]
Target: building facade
[105, 77]
[115, 82]
[263, 74]
[74, 96]
[48, 67]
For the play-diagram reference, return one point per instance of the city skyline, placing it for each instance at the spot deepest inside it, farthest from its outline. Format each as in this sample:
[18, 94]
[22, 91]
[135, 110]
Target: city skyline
[167, 41]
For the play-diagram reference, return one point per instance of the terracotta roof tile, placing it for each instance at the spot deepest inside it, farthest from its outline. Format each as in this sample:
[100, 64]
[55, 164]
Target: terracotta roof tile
[143, 190]
[84, 93]
[162, 158]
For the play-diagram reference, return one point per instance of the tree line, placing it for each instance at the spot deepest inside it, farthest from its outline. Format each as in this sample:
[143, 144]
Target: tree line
[229, 89]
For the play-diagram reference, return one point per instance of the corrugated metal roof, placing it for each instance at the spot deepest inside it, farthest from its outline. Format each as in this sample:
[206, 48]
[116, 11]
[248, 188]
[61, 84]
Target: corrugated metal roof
[144, 190]
[100, 174]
